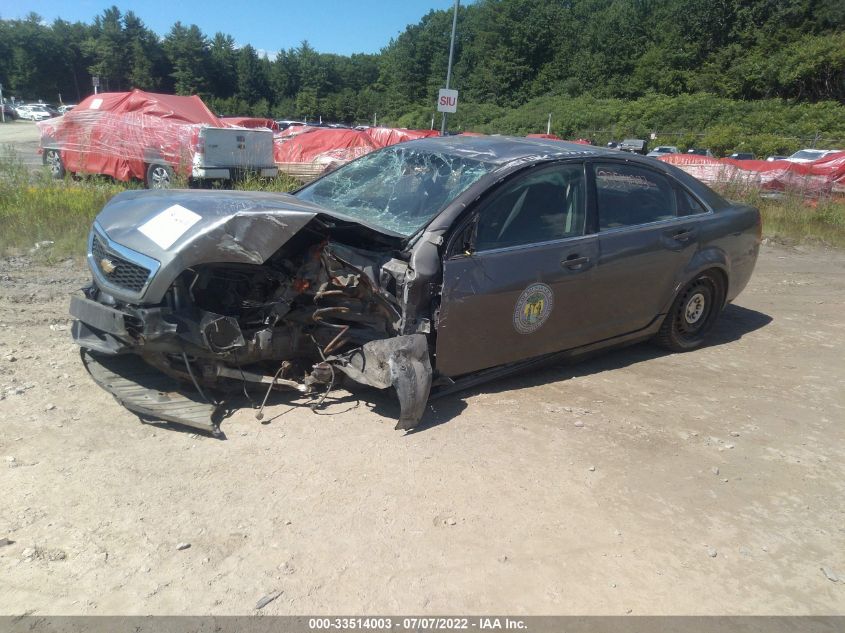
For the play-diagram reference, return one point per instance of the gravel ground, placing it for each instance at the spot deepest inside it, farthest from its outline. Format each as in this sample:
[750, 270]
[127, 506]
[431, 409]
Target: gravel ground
[22, 137]
[638, 482]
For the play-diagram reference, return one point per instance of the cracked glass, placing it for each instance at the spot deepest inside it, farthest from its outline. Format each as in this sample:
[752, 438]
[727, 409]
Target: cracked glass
[398, 189]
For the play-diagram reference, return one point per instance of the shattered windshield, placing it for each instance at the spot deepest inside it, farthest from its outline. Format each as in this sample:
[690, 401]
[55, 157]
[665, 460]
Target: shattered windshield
[398, 189]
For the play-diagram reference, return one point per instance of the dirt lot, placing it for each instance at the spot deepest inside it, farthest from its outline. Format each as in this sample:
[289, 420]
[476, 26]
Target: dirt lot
[637, 482]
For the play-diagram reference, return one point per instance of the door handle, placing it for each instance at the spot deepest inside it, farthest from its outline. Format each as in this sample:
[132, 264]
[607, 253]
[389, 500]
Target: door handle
[683, 236]
[574, 262]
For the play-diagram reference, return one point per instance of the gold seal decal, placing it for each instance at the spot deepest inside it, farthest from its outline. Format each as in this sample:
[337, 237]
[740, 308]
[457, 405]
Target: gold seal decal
[533, 308]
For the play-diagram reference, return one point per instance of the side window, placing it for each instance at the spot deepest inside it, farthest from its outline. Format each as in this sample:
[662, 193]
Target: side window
[687, 205]
[540, 207]
[628, 195]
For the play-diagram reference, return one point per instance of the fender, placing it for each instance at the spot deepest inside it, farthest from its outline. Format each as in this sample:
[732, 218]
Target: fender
[708, 258]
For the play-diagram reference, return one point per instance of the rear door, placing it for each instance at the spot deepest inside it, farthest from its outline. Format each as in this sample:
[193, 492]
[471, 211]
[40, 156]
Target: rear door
[516, 275]
[645, 241]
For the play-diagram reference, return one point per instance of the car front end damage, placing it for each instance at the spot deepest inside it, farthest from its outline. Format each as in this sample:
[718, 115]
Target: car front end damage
[196, 295]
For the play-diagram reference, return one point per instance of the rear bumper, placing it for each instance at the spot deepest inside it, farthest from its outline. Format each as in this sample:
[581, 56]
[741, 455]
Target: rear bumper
[225, 173]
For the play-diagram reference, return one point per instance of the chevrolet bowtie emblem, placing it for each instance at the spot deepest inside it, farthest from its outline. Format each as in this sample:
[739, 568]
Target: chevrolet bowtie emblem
[107, 265]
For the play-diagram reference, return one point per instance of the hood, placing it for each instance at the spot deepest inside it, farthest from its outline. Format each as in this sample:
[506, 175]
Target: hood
[180, 229]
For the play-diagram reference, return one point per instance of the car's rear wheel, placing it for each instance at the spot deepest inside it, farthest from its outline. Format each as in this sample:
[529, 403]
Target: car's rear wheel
[159, 177]
[53, 160]
[693, 314]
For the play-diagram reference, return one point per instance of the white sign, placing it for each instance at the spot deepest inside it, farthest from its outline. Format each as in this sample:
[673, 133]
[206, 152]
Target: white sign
[447, 100]
[169, 225]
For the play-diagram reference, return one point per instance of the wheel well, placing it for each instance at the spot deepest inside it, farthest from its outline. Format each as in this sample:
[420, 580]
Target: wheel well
[720, 277]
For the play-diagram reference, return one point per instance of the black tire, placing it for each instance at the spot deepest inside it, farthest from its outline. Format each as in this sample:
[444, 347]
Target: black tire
[693, 314]
[53, 160]
[159, 177]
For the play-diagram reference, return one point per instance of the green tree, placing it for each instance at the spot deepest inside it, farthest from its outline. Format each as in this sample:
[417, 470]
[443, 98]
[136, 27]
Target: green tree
[223, 60]
[107, 46]
[187, 49]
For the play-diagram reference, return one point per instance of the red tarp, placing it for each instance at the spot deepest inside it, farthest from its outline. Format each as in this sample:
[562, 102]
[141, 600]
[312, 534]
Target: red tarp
[384, 136]
[250, 122]
[822, 177]
[119, 133]
[331, 147]
[555, 137]
[320, 145]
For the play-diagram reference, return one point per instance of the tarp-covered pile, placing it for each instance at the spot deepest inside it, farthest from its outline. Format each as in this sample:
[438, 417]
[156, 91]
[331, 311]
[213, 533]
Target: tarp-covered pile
[250, 122]
[384, 136]
[119, 133]
[306, 151]
[819, 178]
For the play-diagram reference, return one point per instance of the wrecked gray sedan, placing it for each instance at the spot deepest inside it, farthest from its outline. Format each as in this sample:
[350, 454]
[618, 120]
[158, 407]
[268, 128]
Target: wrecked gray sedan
[425, 267]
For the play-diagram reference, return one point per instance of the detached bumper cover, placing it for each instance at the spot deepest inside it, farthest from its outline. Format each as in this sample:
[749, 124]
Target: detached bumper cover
[148, 392]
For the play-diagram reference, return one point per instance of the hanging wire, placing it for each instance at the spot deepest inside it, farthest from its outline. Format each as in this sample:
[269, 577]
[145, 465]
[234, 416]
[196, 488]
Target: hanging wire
[193, 379]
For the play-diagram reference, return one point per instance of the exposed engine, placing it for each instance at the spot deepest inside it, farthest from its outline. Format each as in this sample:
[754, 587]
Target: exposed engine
[315, 311]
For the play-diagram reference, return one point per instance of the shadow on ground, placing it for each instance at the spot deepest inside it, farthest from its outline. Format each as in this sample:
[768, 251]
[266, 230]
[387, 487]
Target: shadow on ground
[734, 323]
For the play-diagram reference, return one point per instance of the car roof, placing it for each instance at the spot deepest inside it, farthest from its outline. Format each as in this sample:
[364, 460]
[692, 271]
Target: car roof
[501, 150]
[509, 152]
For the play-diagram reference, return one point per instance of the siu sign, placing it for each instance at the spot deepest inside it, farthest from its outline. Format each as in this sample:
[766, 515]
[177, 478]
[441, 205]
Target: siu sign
[447, 100]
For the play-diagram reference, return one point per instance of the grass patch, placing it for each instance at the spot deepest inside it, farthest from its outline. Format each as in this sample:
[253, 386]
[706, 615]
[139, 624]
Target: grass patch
[280, 184]
[35, 208]
[795, 220]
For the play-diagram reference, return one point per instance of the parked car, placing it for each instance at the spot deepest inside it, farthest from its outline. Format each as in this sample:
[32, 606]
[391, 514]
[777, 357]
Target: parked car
[663, 150]
[63, 109]
[742, 156]
[152, 138]
[286, 123]
[634, 145]
[433, 264]
[9, 112]
[700, 151]
[34, 112]
[810, 155]
[53, 110]
[774, 158]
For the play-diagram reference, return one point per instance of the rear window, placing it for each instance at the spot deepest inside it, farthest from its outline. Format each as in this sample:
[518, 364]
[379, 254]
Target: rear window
[628, 195]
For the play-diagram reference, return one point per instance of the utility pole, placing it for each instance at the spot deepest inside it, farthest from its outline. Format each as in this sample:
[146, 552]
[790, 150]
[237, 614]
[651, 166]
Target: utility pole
[451, 56]
[2, 105]
[549, 124]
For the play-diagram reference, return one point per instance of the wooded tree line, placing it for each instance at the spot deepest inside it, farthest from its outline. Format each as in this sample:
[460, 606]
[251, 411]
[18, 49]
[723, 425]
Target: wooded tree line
[509, 52]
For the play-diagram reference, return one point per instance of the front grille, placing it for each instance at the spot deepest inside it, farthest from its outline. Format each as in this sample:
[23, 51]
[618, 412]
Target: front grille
[116, 270]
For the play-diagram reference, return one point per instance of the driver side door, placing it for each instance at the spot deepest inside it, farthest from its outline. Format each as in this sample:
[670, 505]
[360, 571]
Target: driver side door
[516, 273]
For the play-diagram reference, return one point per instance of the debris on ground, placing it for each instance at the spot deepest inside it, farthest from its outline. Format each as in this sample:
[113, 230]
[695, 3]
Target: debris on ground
[831, 575]
[267, 599]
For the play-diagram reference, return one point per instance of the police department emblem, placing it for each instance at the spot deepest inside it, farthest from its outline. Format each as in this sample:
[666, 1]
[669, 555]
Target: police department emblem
[533, 308]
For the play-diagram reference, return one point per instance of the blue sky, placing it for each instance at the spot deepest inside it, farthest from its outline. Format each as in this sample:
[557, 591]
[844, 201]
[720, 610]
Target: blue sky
[330, 26]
